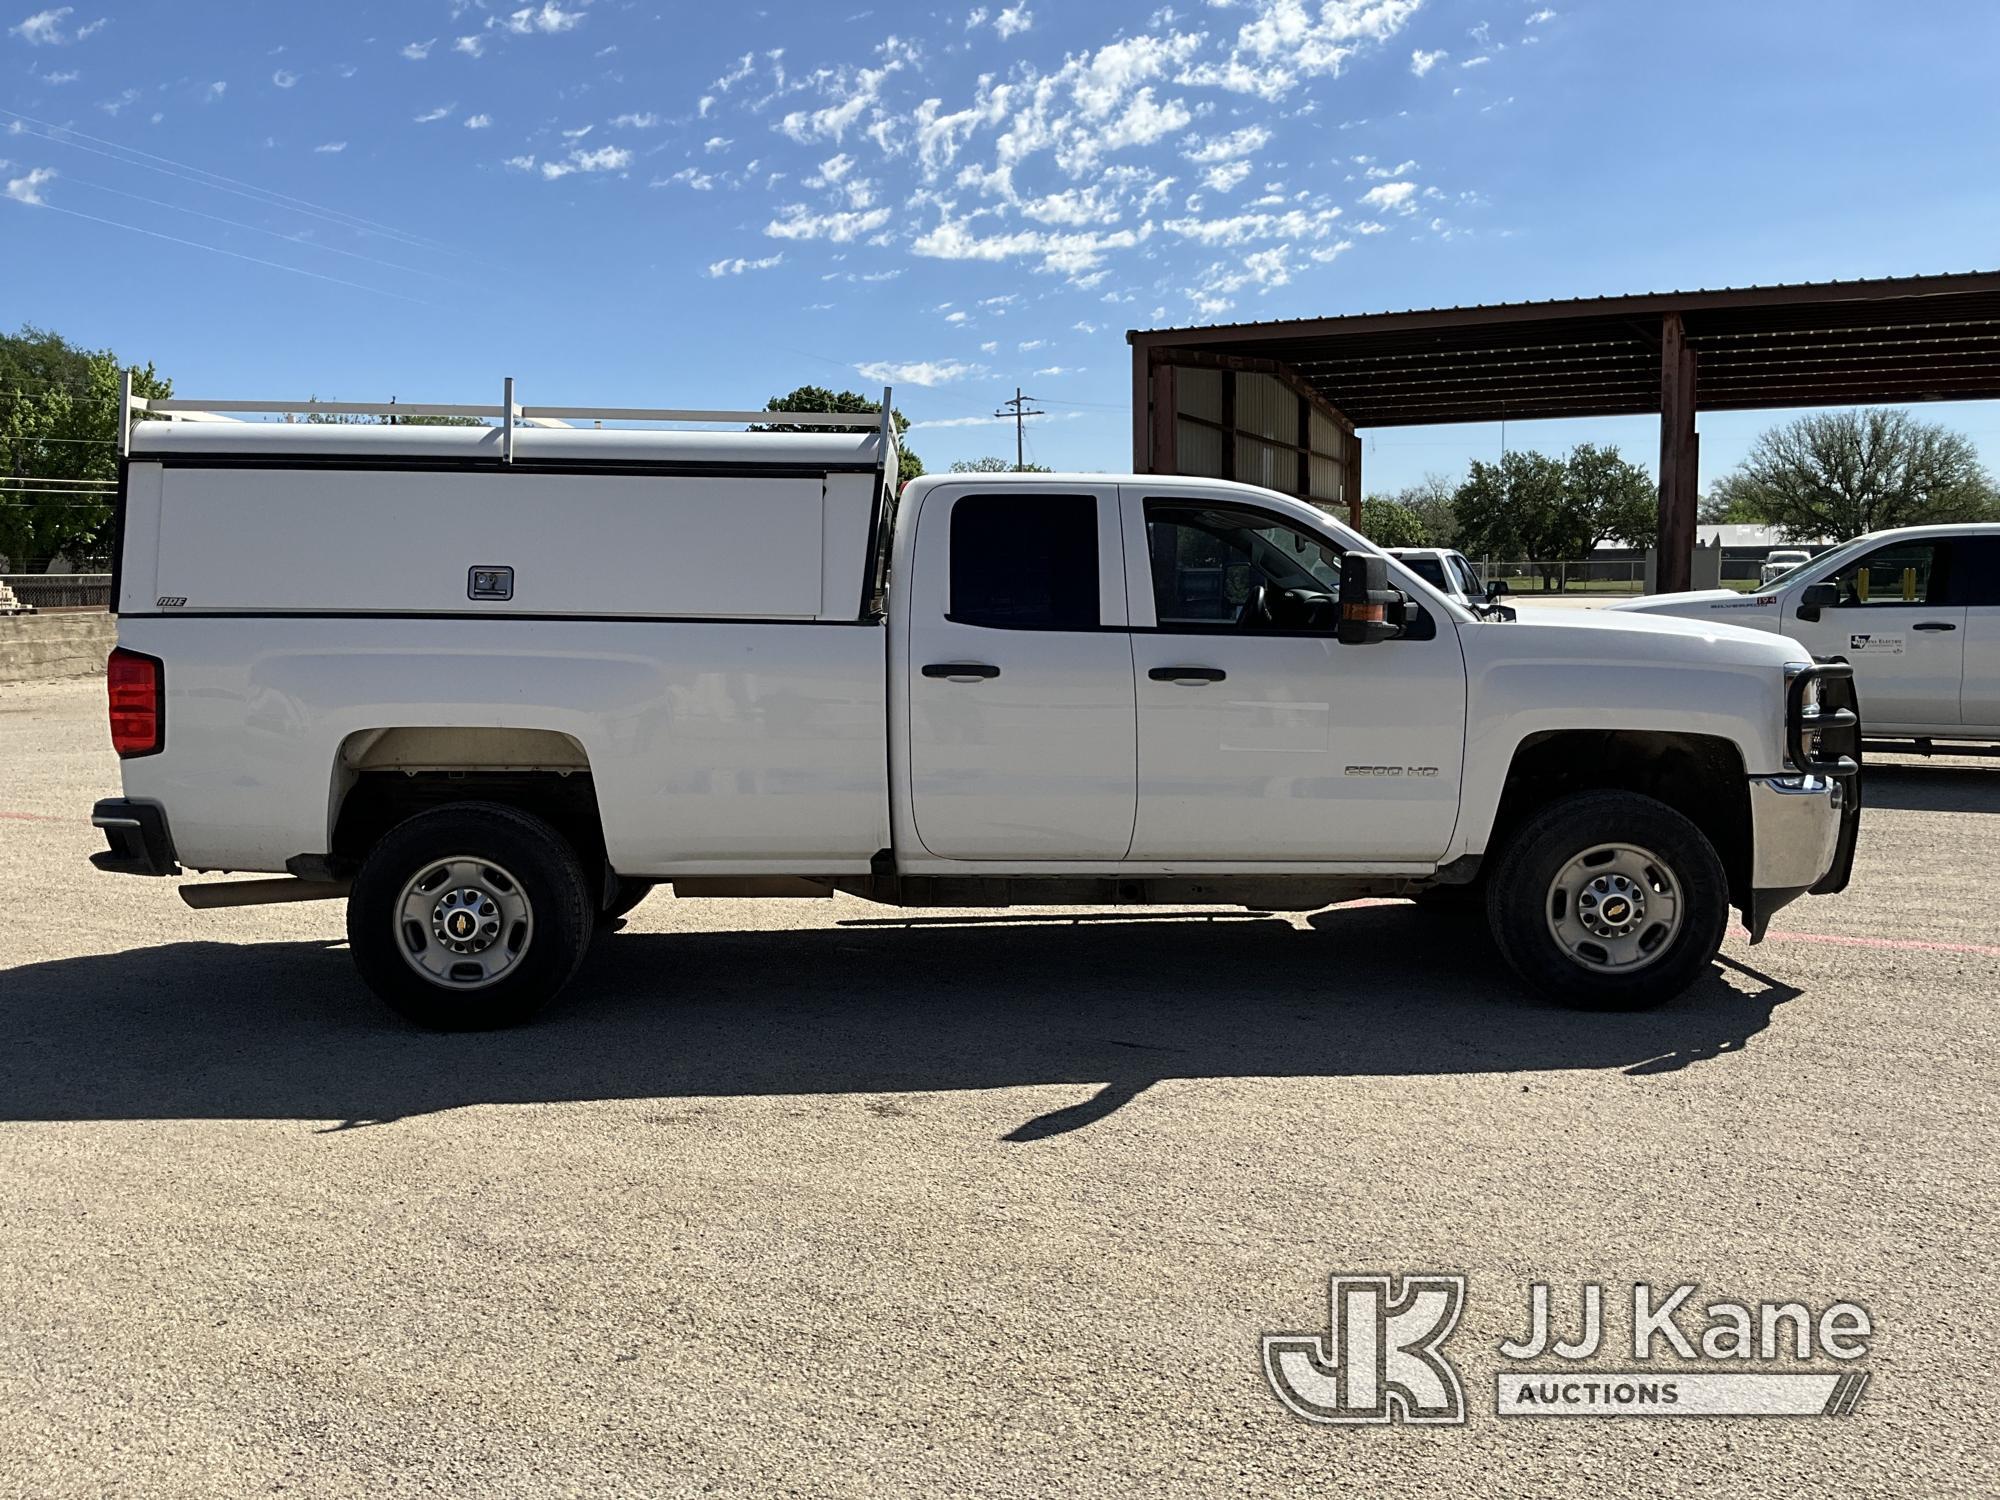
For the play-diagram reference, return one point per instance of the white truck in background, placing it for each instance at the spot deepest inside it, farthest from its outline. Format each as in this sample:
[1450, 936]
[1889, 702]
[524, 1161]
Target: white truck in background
[1915, 610]
[493, 684]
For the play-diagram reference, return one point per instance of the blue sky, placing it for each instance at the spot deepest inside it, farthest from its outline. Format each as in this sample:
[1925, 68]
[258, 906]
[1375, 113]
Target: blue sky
[632, 203]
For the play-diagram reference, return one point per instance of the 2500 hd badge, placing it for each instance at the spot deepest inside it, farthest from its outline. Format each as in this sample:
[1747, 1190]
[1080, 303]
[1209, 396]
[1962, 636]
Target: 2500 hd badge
[1391, 771]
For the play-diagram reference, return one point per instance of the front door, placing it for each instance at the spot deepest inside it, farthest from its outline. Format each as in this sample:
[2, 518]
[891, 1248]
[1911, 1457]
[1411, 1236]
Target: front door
[1021, 738]
[1261, 737]
[1900, 626]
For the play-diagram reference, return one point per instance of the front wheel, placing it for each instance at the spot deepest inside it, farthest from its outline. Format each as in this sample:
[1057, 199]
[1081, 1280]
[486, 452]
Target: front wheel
[469, 917]
[1609, 901]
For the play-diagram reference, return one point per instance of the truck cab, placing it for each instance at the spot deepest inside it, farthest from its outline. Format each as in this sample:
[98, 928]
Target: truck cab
[1916, 611]
[745, 663]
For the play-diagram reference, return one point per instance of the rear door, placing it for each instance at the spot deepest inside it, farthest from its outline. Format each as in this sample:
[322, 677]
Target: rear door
[1022, 743]
[1262, 739]
[1899, 623]
[1976, 579]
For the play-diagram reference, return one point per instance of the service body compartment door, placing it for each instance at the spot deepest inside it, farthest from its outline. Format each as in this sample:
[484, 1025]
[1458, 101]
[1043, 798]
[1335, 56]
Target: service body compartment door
[1261, 737]
[1020, 676]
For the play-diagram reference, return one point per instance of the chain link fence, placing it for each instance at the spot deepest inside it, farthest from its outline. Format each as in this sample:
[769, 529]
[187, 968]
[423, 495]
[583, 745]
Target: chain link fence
[1568, 576]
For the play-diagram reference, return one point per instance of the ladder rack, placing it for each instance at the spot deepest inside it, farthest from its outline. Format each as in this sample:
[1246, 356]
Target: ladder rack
[509, 414]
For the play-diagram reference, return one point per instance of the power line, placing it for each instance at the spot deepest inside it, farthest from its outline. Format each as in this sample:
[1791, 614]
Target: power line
[1020, 414]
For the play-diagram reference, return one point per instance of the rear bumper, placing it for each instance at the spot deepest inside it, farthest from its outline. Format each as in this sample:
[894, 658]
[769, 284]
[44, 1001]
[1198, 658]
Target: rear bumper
[138, 836]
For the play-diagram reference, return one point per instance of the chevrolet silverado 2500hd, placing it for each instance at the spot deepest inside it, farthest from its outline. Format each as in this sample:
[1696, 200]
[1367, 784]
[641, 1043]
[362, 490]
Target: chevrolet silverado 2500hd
[492, 684]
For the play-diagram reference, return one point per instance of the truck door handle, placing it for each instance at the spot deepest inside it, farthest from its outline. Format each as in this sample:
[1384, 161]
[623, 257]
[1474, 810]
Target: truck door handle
[961, 671]
[1933, 625]
[1190, 676]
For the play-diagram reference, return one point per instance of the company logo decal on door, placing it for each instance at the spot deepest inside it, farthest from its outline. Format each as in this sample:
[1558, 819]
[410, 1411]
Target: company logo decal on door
[1876, 645]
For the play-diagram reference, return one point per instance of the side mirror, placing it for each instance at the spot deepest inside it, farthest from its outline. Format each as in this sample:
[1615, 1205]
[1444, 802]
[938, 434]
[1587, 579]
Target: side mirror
[1815, 597]
[1496, 588]
[1370, 610]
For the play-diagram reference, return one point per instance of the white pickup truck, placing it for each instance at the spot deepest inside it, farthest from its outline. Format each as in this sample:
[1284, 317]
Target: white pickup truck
[493, 684]
[1915, 610]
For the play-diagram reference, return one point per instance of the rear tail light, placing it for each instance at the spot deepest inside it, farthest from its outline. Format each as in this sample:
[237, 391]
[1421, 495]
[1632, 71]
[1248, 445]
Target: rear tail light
[138, 689]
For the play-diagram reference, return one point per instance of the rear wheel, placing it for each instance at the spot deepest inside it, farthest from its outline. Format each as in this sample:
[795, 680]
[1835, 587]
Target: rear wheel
[1609, 901]
[469, 917]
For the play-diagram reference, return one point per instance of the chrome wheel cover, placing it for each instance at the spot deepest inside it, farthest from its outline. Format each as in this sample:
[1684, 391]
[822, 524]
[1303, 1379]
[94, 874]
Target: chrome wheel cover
[1615, 908]
[463, 923]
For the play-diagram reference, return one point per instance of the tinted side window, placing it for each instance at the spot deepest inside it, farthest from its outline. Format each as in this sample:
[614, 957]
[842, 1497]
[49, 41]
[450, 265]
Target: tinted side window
[1975, 570]
[1900, 573]
[1024, 562]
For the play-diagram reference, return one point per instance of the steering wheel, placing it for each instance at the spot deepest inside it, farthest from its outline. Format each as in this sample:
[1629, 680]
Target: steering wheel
[1256, 608]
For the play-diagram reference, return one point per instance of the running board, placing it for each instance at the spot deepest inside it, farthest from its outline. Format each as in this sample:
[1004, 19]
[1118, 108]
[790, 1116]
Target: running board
[262, 892]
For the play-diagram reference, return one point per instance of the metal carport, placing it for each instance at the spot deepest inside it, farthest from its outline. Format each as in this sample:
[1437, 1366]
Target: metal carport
[1844, 343]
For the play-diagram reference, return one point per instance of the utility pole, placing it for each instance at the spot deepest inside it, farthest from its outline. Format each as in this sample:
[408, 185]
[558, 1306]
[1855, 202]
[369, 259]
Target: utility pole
[1019, 413]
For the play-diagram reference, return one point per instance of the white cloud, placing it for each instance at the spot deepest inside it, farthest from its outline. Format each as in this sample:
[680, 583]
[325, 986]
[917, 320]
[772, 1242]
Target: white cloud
[700, 181]
[1535, 20]
[1392, 197]
[603, 159]
[797, 222]
[216, 91]
[1013, 21]
[1290, 41]
[28, 189]
[1421, 62]
[331, 148]
[418, 51]
[471, 46]
[1248, 228]
[1221, 179]
[43, 29]
[634, 121]
[1238, 143]
[1063, 254]
[717, 143]
[124, 101]
[521, 163]
[1029, 345]
[920, 372]
[738, 265]
[85, 32]
[433, 115]
[961, 316]
[1475, 62]
[549, 19]
[284, 78]
[57, 80]
[578, 133]
[478, 122]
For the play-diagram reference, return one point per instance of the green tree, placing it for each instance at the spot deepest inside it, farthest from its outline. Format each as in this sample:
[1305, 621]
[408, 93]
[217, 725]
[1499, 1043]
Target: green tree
[1429, 500]
[1390, 523]
[1611, 500]
[59, 421]
[991, 465]
[1732, 500]
[819, 398]
[1514, 508]
[1548, 510]
[1835, 475]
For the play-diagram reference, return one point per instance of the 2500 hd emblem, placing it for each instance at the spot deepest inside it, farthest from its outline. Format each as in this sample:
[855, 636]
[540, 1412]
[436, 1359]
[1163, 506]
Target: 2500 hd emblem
[1390, 771]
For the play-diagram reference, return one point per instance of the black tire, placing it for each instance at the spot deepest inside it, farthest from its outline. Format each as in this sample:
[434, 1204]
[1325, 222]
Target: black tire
[1521, 897]
[526, 861]
[626, 893]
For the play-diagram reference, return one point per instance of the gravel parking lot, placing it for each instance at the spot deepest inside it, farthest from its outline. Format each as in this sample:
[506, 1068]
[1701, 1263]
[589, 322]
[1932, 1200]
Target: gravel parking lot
[822, 1199]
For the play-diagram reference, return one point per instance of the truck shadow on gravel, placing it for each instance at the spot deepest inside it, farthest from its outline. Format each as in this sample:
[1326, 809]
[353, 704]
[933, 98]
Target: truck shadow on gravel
[286, 1030]
[1912, 786]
